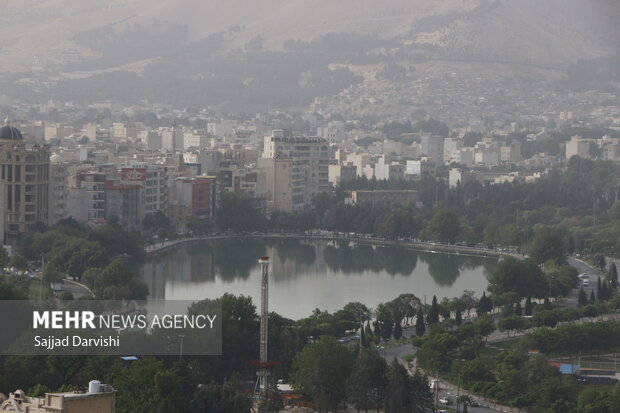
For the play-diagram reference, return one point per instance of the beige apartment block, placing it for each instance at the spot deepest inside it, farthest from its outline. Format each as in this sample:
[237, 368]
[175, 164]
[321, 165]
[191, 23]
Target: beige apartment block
[75, 402]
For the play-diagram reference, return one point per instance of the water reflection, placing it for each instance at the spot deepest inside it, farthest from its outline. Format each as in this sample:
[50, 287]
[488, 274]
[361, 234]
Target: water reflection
[356, 258]
[307, 274]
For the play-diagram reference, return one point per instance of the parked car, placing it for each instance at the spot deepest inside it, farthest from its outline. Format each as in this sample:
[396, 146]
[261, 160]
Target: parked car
[445, 401]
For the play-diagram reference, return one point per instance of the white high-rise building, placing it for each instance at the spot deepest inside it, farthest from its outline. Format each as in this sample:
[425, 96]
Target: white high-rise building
[172, 139]
[310, 164]
[195, 140]
[577, 146]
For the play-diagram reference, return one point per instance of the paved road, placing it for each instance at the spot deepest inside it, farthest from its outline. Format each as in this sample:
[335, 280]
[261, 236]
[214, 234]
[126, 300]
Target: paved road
[582, 267]
[78, 290]
[448, 390]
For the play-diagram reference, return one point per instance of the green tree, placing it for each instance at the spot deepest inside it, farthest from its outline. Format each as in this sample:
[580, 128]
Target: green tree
[528, 306]
[518, 309]
[321, 371]
[433, 314]
[38, 390]
[4, 259]
[458, 318]
[158, 224]
[582, 299]
[398, 395]
[50, 275]
[420, 327]
[522, 277]
[398, 331]
[219, 399]
[546, 245]
[237, 213]
[200, 226]
[612, 276]
[511, 323]
[366, 385]
[471, 138]
[422, 396]
[484, 304]
[599, 261]
[484, 325]
[444, 226]
[18, 262]
[118, 282]
[152, 386]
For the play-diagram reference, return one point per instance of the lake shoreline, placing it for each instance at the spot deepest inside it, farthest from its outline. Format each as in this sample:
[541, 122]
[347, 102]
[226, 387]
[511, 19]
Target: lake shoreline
[424, 246]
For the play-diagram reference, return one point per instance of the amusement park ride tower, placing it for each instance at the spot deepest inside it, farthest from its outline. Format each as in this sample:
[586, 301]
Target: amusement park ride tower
[263, 373]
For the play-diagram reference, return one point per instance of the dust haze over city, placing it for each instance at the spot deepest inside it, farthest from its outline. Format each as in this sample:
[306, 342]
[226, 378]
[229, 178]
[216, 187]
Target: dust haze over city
[395, 206]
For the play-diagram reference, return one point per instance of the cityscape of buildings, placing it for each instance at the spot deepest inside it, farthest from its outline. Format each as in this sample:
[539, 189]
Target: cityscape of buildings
[94, 171]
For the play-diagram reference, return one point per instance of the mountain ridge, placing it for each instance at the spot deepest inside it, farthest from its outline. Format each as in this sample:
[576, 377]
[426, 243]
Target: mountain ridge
[550, 32]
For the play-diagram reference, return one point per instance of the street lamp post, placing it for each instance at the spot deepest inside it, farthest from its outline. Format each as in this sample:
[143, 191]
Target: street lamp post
[550, 280]
[181, 349]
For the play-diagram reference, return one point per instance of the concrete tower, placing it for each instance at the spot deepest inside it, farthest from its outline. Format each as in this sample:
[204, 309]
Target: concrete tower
[263, 373]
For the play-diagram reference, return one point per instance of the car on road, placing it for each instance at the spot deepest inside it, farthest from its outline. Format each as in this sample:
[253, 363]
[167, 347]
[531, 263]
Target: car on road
[445, 401]
[468, 400]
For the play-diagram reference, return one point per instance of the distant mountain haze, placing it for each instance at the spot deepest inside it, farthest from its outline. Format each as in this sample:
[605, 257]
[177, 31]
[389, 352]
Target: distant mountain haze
[547, 32]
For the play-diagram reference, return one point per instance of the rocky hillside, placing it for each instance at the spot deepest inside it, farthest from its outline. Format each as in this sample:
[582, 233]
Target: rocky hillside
[544, 32]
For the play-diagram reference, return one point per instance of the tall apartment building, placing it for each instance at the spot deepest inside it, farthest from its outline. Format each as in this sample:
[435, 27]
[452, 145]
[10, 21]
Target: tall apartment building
[57, 131]
[124, 202]
[432, 146]
[449, 146]
[58, 190]
[152, 179]
[309, 173]
[275, 183]
[195, 140]
[577, 146]
[224, 127]
[193, 198]
[88, 202]
[125, 130]
[359, 160]
[25, 183]
[342, 173]
[512, 152]
[207, 158]
[172, 139]
[151, 139]
[384, 169]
